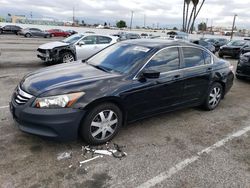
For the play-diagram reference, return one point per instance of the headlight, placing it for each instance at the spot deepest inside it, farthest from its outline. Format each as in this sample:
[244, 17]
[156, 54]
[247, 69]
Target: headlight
[59, 101]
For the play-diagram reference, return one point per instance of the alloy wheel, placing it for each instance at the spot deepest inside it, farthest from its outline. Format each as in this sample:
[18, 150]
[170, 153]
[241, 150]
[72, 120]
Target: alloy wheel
[67, 58]
[214, 97]
[104, 124]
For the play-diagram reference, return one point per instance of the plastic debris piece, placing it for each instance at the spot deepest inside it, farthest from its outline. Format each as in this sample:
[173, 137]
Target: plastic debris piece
[70, 166]
[105, 152]
[64, 155]
[88, 160]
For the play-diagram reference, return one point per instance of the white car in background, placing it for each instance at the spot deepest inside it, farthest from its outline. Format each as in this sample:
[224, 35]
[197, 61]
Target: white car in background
[75, 47]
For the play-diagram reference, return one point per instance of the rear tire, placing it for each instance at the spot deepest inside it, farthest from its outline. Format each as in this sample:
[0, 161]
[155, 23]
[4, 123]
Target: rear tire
[220, 55]
[27, 35]
[213, 97]
[101, 123]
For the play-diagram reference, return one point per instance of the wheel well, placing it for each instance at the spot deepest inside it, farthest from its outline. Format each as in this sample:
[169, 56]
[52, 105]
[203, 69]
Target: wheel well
[66, 50]
[115, 100]
[223, 87]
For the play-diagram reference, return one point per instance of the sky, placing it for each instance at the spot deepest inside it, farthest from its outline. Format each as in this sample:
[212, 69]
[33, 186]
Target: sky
[165, 13]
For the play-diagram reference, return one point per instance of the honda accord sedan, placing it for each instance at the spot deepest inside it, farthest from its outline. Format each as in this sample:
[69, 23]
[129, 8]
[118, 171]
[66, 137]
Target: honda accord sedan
[125, 82]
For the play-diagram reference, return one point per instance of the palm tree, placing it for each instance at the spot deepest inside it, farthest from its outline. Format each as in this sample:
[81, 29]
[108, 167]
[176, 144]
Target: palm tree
[193, 13]
[196, 14]
[183, 19]
[187, 2]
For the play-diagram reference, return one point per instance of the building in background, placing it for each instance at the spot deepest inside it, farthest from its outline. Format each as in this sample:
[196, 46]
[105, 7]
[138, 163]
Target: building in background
[39, 21]
[16, 18]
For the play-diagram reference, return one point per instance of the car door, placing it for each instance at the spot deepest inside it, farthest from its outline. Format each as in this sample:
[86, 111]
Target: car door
[158, 94]
[197, 70]
[103, 42]
[35, 32]
[87, 47]
[7, 29]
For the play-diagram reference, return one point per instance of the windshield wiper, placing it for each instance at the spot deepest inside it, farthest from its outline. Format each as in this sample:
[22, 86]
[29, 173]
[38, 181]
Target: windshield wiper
[105, 69]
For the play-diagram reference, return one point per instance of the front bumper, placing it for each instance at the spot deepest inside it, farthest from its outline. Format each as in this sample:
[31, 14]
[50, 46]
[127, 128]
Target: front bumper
[47, 56]
[229, 52]
[59, 124]
[243, 70]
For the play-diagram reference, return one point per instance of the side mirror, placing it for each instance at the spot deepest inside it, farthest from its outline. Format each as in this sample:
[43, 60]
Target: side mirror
[81, 43]
[151, 74]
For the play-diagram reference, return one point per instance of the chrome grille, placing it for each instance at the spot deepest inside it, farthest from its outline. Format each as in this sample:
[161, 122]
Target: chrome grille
[21, 96]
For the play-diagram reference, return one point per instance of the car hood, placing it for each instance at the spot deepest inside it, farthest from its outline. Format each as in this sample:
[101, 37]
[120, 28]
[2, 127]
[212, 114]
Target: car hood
[51, 45]
[231, 47]
[64, 78]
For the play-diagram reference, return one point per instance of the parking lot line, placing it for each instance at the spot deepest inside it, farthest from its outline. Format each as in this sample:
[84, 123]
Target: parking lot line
[178, 167]
[2, 107]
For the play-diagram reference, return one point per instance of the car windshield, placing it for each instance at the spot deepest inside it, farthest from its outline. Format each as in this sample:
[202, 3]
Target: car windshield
[210, 40]
[72, 39]
[120, 57]
[237, 43]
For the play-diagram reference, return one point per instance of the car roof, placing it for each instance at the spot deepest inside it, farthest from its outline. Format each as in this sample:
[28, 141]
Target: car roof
[94, 34]
[158, 43]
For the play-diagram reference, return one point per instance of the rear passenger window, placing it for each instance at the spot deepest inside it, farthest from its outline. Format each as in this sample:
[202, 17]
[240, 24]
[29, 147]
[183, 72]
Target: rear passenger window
[165, 60]
[192, 57]
[207, 57]
[104, 40]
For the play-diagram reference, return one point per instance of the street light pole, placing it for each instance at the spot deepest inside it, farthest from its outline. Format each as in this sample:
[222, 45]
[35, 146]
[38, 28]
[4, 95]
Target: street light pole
[232, 32]
[131, 21]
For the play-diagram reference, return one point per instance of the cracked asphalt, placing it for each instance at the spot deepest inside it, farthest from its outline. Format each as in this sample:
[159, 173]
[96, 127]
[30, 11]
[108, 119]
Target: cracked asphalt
[153, 145]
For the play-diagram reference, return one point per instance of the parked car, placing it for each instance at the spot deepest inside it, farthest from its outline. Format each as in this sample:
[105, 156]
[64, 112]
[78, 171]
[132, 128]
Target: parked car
[233, 48]
[129, 36]
[125, 82]
[243, 66]
[216, 42]
[10, 29]
[90, 32]
[78, 46]
[34, 32]
[205, 44]
[72, 32]
[245, 48]
[58, 33]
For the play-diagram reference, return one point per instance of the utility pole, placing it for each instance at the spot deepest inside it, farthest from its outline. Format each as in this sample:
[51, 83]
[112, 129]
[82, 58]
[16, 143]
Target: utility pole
[73, 16]
[131, 21]
[31, 15]
[144, 21]
[232, 32]
[211, 29]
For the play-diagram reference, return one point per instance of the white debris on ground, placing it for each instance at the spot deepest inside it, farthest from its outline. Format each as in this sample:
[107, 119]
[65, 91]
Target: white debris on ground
[64, 155]
[88, 160]
[92, 153]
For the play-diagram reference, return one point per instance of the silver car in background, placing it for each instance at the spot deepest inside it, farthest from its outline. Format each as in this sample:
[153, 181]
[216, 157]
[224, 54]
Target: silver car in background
[75, 47]
[34, 32]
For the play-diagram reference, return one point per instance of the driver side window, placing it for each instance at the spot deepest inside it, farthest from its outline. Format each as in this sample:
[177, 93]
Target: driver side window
[165, 60]
[90, 40]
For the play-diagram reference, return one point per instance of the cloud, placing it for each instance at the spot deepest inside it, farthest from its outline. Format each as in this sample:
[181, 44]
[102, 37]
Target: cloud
[163, 12]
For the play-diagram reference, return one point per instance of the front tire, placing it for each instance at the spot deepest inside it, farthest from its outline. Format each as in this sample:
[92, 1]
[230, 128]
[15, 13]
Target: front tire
[213, 97]
[220, 55]
[67, 57]
[101, 123]
[239, 77]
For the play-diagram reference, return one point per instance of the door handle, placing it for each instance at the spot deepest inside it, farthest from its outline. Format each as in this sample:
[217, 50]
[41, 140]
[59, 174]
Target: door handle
[209, 69]
[175, 77]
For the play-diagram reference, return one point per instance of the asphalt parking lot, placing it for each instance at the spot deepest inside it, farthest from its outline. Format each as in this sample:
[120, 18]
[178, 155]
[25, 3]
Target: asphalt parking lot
[187, 148]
